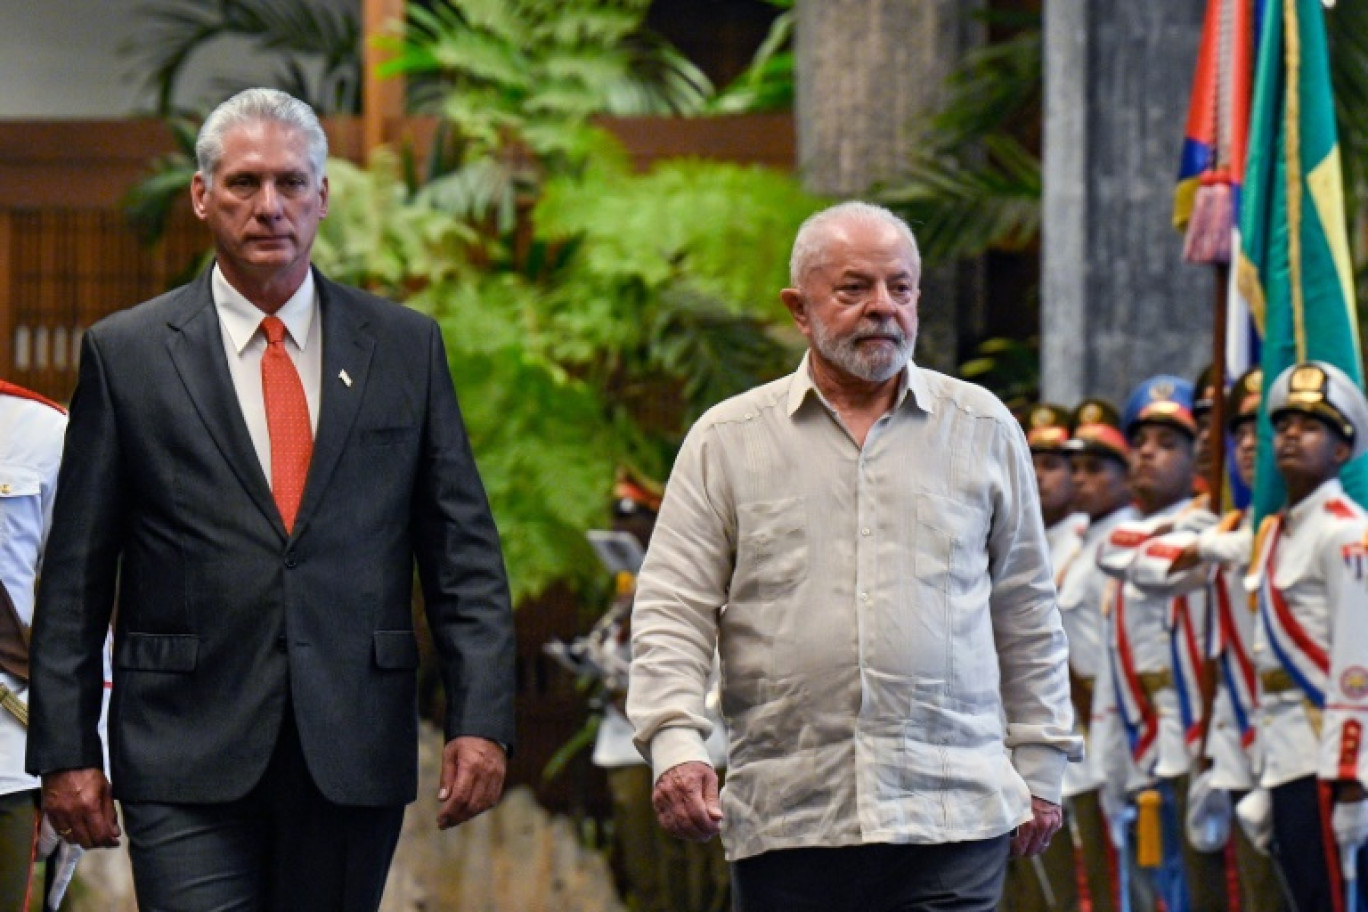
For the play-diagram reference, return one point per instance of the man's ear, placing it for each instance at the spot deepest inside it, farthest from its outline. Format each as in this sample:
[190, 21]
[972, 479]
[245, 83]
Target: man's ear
[1343, 451]
[793, 300]
[197, 192]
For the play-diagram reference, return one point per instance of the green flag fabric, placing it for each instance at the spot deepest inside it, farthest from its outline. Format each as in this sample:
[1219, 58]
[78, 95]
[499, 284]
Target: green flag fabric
[1292, 265]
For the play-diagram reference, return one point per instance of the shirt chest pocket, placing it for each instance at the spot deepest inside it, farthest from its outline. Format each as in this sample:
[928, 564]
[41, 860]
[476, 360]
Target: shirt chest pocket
[951, 544]
[773, 545]
[21, 510]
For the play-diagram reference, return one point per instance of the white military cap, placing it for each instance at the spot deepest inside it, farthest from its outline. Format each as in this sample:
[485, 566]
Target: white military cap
[1326, 392]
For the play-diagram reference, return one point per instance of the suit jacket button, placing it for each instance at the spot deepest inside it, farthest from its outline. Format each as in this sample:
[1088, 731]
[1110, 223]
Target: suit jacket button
[282, 645]
[290, 561]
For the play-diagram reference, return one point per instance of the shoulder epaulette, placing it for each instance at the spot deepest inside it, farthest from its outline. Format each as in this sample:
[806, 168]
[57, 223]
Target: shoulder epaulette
[1230, 521]
[1266, 528]
[11, 389]
[1340, 508]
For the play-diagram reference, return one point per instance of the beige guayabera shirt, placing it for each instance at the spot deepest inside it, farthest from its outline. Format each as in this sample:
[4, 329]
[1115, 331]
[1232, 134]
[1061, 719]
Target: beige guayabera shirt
[892, 657]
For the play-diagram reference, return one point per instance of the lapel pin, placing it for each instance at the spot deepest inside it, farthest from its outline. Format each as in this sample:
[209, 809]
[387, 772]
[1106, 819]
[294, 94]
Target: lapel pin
[345, 378]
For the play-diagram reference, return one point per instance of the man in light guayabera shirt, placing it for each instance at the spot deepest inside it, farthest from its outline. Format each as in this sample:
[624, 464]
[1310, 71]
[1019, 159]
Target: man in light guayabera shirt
[862, 541]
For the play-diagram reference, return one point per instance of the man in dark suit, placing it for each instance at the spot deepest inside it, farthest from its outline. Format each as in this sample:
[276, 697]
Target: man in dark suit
[256, 461]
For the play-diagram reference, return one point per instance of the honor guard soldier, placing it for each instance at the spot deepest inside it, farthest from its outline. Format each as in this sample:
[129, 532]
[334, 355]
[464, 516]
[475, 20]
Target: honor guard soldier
[1223, 554]
[1203, 401]
[1098, 455]
[1049, 881]
[31, 434]
[1311, 646]
[1155, 653]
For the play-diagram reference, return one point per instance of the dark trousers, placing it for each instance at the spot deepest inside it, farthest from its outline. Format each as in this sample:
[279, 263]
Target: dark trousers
[283, 846]
[948, 877]
[1299, 845]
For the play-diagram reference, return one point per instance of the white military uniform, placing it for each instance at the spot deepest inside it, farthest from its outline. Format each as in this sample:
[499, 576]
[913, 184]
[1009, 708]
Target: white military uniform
[1082, 590]
[1232, 736]
[31, 434]
[1311, 643]
[1155, 648]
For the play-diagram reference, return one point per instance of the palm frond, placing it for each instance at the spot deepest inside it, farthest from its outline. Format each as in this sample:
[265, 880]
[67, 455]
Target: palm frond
[767, 83]
[172, 31]
[963, 208]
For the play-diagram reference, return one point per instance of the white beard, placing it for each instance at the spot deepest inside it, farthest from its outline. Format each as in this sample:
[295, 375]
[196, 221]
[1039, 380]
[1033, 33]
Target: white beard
[874, 365]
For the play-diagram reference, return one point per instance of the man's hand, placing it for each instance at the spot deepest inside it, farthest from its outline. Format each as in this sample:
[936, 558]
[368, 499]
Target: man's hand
[1186, 559]
[80, 806]
[1033, 836]
[472, 779]
[686, 804]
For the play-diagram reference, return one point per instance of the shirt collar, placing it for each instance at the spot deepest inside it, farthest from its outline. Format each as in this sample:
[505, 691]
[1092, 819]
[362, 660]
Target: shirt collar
[241, 318]
[911, 380]
[1313, 502]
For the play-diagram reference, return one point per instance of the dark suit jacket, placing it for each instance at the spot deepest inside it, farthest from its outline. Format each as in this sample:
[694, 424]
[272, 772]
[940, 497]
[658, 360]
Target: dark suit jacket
[223, 619]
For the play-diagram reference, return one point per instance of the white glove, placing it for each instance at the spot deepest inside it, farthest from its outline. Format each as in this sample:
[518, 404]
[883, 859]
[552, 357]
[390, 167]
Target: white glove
[1208, 814]
[62, 856]
[1118, 813]
[1255, 814]
[1350, 823]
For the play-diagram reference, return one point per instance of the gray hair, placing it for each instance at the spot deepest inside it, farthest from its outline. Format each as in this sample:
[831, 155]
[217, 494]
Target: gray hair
[251, 106]
[812, 234]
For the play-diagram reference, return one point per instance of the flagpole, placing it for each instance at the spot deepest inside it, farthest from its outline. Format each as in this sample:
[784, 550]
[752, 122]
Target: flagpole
[1216, 435]
[1216, 439]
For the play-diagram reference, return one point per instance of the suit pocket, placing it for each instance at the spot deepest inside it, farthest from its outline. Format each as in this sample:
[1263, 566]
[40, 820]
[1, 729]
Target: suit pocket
[387, 436]
[169, 652]
[395, 649]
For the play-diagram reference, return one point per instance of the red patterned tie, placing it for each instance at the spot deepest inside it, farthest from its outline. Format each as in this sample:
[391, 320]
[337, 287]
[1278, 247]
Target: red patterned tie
[287, 420]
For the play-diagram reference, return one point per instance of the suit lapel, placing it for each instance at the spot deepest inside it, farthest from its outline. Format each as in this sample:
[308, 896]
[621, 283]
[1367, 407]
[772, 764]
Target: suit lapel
[196, 349]
[347, 350]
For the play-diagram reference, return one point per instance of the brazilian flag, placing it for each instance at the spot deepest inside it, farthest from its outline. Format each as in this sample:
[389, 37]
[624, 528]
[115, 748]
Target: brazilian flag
[1292, 264]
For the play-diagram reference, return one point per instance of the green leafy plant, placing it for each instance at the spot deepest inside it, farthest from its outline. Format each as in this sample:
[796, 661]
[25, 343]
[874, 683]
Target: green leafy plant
[587, 335]
[767, 84]
[1008, 367]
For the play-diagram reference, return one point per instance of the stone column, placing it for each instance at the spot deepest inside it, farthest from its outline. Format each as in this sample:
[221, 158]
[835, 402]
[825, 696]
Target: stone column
[1118, 303]
[870, 75]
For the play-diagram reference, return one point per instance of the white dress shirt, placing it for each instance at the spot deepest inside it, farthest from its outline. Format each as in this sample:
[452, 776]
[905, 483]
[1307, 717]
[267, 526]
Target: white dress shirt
[893, 665]
[244, 343]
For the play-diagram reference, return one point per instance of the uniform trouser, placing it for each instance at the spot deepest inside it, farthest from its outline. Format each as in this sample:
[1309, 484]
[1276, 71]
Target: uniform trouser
[1095, 849]
[284, 846]
[18, 837]
[1260, 888]
[1300, 846]
[1205, 871]
[661, 873]
[948, 877]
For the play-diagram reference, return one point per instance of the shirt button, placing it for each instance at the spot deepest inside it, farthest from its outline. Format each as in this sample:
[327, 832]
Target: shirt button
[864, 596]
[864, 531]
